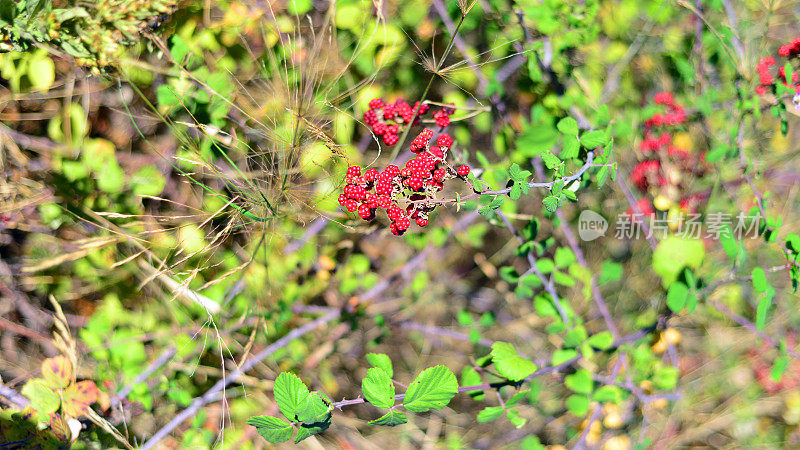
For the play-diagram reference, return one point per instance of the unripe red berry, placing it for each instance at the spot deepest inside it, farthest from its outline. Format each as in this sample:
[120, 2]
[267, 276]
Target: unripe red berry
[388, 111]
[354, 171]
[365, 212]
[463, 170]
[422, 222]
[441, 119]
[444, 140]
[375, 103]
[390, 139]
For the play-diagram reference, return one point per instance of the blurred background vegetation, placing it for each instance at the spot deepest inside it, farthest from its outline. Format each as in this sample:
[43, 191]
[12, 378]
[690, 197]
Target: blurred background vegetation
[170, 172]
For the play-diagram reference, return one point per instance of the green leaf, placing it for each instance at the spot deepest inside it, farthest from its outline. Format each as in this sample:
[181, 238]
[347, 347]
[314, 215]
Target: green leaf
[516, 191]
[536, 139]
[550, 160]
[513, 416]
[550, 203]
[778, 368]
[570, 148]
[531, 229]
[759, 280]
[290, 394]
[431, 389]
[764, 303]
[514, 172]
[610, 271]
[564, 257]
[471, 377]
[306, 431]
[148, 181]
[568, 126]
[677, 295]
[298, 7]
[592, 139]
[111, 179]
[509, 363]
[601, 341]
[580, 382]
[665, 377]
[673, 254]
[489, 414]
[607, 393]
[578, 404]
[516, 398]
[390, 419]
[273, 429]
[563, 355]
[314, 409]
[43, 399]
[41, 72]
[575, 336]
[381, 361]
[378, 388]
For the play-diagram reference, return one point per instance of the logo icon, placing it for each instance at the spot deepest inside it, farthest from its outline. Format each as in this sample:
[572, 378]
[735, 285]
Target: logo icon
[591, 225]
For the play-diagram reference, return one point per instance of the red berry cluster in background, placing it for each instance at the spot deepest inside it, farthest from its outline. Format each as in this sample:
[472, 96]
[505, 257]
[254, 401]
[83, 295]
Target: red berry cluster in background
[389, 119]
[413, 186]
[767, 76]
[665, 172]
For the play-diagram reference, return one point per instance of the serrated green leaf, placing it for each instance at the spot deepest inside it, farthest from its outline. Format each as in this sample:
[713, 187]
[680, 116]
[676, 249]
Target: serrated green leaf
[550, 160]
[509, 363]
[390, 419]
[568, 126]
[378, 388]
[314, 409]
[381, 361]
[290, 394]
[273, 429]
[550, 203]
[570, 148]
[489, 414]
[592, 139]
[431, 389]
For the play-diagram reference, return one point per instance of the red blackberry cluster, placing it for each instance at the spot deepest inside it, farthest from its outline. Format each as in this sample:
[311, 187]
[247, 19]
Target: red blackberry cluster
[766, 76]
[413, 186]
[667, 166]
[390, 119]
